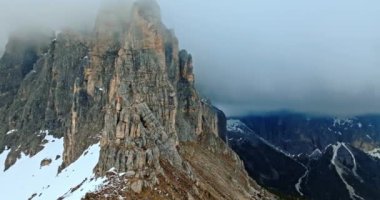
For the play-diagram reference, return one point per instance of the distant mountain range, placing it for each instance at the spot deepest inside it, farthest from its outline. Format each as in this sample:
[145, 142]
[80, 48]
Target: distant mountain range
[303, 157]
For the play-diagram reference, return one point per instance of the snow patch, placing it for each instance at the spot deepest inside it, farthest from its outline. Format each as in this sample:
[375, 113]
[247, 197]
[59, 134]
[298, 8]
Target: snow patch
[375, 153]
[342, 122]
[89, 185]
[355, 167]
[340, 172]
[11, 131]
[26, 177]
[113, 169]
[298, 185]
[46, 132]
[234, 125]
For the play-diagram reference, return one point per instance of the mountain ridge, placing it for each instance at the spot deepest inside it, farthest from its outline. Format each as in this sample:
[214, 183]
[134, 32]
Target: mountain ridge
[281, 153]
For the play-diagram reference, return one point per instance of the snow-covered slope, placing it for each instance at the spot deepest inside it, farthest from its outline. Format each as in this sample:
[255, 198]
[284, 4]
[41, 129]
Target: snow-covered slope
[30, 177]
[375, 153]
[236, 126]
[340, 170]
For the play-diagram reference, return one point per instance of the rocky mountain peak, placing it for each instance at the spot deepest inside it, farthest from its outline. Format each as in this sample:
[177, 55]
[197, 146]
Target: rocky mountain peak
[148, 9]
[131, 90]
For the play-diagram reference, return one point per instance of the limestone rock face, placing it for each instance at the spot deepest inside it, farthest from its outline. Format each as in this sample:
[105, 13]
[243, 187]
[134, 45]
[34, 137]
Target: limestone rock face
[129, 87]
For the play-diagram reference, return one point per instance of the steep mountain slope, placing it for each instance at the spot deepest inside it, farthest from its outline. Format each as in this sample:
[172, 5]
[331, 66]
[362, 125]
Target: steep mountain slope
[37, 176]
[126, 89]
[337, 166]
[269, 166]
[343, 172]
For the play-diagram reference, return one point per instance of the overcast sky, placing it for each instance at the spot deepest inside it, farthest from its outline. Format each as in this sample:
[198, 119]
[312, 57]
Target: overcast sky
[257, 55]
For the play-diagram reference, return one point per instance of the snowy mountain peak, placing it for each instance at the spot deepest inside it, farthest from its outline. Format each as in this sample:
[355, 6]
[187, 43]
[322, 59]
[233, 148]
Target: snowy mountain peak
[234, 125]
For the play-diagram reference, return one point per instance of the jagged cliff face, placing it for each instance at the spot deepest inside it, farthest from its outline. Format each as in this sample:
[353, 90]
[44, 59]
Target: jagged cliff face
[128, 87]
